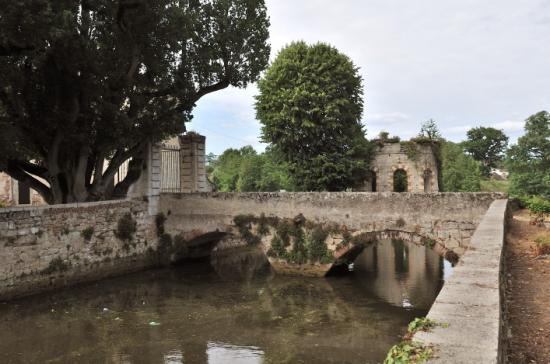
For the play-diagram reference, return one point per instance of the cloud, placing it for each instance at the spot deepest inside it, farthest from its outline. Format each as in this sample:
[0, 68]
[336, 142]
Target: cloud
[459, 62]
[384, 118]
[509, 125]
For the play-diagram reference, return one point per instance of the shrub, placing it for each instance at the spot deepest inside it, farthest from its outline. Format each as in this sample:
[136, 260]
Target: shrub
[56, 265]
[126, 228]
[539, 207]
[87, 233]
[318, 251]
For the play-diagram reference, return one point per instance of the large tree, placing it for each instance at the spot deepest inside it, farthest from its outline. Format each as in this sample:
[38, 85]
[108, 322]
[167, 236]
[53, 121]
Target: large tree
[459, 171]
[487, 146]
[89, 81]
[529, 160]
[310, 104]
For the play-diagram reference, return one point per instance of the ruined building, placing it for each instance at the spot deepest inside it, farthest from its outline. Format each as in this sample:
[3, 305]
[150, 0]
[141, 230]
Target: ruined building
[403, 167]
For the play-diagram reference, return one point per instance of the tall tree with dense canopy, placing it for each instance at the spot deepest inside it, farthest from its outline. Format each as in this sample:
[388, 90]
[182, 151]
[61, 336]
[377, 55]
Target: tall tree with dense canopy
[310, 106]
[529, 160]
[487, 146]
[83, 82]
[459, 171]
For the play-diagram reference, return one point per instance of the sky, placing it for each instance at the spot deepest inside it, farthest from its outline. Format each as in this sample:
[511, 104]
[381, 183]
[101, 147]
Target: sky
[463, 63]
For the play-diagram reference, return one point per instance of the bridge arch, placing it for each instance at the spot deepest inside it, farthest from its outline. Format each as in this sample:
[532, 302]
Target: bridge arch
[348, 255]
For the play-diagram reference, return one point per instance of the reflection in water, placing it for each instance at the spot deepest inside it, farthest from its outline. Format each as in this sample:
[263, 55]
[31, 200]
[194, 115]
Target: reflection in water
[223, 353]
[237, 312]
[402, 274]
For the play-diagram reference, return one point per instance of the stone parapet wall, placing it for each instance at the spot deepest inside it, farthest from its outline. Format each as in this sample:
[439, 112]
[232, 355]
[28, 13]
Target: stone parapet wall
[53, 246]
[448, 219]
[470, 305]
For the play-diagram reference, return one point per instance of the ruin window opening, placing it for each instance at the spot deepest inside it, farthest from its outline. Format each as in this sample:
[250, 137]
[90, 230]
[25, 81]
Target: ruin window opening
[400, 183]
[373, 181]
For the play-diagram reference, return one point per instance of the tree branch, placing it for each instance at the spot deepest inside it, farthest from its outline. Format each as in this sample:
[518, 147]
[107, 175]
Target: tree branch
[31, 168]
[119, 158]
[14, 171]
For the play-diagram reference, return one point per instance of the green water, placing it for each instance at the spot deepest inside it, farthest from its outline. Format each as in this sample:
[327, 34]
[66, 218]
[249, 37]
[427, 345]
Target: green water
[234, 310]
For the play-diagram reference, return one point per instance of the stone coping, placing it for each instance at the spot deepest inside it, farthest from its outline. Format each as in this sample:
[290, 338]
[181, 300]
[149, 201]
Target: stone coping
[469, 306]
[335, 195]
[63, 206]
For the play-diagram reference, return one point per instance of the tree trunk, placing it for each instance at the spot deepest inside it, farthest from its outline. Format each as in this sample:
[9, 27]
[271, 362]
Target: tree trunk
[70, 181]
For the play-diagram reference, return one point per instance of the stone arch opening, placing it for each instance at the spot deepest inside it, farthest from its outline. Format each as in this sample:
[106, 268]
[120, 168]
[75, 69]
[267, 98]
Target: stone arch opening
[428, 180]
[372, 181]
[400, 180]
[197, 247]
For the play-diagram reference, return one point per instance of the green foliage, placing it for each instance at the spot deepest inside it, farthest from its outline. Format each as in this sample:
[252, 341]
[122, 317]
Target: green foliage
[539, 207]
[429, 130]
[459, 172]
[310, 107]
[529, 160]
[430, 243]
[400, 182]
[296, 240]
[244, 170]
[491, 185]
[421, 324]
[543, 244]
[384, 137]
[85, 81]
[87, 233]
[487, 146]
[126, 227]
[411, 150]
[407, 352]
[244, 220]
[318, 251]
[56, 265]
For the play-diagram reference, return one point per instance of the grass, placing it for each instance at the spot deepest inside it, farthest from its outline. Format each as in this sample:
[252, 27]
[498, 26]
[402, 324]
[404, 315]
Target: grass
[543, 244]
[492, 185]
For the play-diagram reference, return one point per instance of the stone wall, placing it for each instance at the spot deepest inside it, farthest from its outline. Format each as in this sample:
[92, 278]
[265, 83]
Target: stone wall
[449, 219]
[53, 246]
[470, 305]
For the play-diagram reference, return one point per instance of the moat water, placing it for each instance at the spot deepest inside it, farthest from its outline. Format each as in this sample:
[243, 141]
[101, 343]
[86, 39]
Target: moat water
[233, 310]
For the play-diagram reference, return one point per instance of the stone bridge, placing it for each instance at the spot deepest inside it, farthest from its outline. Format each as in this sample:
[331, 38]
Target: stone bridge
[310, 232]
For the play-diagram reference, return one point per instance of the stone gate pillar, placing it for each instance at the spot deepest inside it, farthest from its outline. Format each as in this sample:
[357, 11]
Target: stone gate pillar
[193, 167]
[148, 184]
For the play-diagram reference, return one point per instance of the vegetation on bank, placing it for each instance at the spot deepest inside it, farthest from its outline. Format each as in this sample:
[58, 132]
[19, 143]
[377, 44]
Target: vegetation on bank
[409, 351]
[295, 240]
